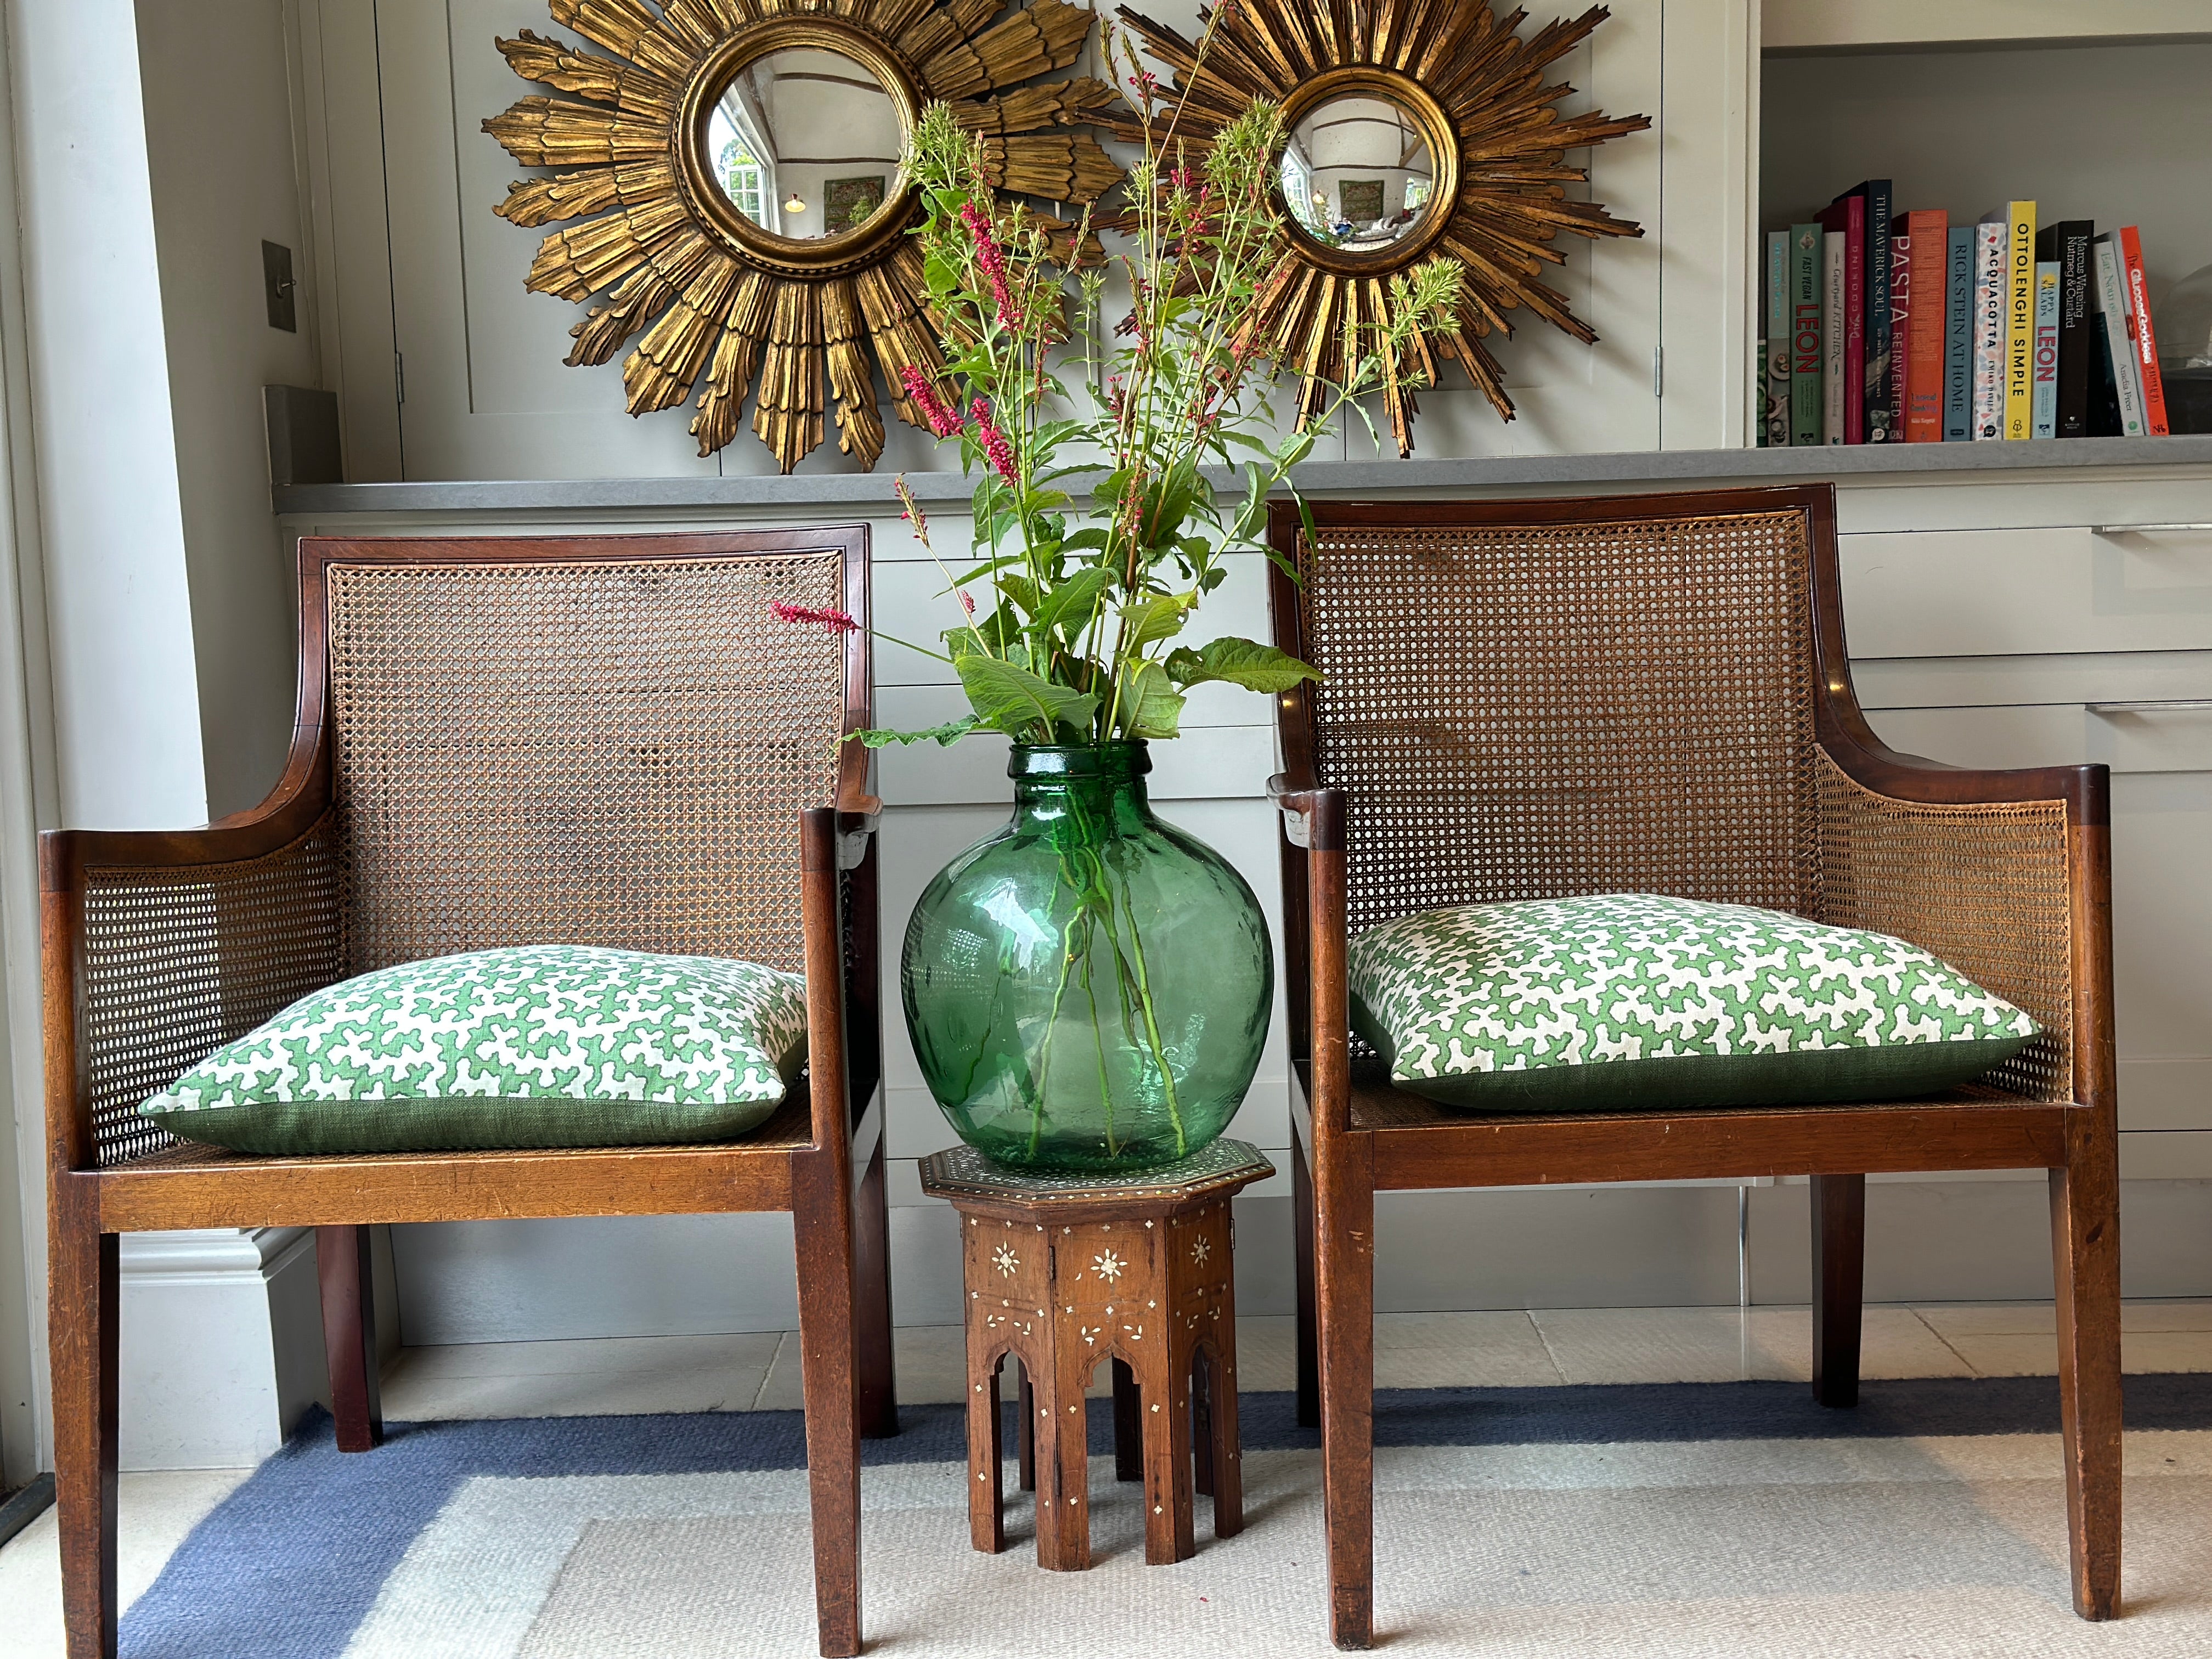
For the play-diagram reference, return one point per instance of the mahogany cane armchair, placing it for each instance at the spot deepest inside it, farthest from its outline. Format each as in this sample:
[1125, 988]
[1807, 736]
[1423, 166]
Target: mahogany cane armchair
[1539, 699]
[607, 741]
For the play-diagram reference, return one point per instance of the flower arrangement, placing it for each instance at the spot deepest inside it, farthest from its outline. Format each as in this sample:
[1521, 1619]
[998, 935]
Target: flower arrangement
[1088, 593]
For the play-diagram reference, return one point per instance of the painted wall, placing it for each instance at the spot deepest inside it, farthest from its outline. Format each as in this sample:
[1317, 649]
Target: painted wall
[224, 180]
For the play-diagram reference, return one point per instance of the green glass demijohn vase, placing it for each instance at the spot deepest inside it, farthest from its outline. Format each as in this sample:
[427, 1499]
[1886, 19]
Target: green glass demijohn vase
[1087, 989]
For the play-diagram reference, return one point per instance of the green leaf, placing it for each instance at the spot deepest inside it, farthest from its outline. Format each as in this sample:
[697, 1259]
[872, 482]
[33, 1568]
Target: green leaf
[1144, 622]
[1010, 699]
[1247, 663]
[947, 734]
[1069, 606]
[1151, 707]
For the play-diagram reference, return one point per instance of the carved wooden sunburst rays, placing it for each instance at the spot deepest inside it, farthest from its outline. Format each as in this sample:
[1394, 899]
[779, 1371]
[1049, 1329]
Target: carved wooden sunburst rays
[663, 249]
[1476, 93]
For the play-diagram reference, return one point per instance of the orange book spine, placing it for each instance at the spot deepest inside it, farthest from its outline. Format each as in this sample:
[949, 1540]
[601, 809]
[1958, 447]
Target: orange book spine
[1923, 344]
[2146, 342]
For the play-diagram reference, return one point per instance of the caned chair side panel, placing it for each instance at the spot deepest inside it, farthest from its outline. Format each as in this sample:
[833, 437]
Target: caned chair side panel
[1537, 710]
[609, 752]
[1985, 888]
[179, 961]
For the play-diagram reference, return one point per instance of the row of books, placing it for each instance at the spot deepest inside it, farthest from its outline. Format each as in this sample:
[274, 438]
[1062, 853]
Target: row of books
[1889, 327]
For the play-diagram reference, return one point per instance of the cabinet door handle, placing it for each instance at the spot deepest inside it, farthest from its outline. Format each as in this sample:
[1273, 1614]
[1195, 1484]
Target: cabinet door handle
[2162, 706]
[2140, 529]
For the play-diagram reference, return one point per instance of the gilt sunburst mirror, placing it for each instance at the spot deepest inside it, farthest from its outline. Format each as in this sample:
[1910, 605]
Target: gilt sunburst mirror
[1413, 128]
[728, 175]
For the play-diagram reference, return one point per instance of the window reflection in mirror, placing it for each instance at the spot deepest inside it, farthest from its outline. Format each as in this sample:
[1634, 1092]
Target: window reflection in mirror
[1356, 174]
[805, 144]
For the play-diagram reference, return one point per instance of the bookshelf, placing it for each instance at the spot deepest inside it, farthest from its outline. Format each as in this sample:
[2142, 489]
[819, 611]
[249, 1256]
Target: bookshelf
[2096, 112]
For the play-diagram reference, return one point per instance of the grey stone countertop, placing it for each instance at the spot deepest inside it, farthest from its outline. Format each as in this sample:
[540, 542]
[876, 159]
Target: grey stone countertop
[1338, 478]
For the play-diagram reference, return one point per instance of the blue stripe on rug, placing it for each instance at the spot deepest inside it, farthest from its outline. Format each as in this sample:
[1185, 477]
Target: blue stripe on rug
[288, 1565]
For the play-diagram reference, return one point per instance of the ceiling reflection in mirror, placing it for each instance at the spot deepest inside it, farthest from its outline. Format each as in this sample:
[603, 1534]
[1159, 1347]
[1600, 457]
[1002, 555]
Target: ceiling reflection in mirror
[805, 144]
[1357, 176]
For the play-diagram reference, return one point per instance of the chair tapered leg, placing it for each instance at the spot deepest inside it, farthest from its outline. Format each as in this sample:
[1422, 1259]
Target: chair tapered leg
[342, 1271]
[2085, 1227]
[1128, 1425]
[1838, 1286]
[1302, 1226]
[829, 1357]
[872, 1274]
[1344, 1262]
[83, 1309]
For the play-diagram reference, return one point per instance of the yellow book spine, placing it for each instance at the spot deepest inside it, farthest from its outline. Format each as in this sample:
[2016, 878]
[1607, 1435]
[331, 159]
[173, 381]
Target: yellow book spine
[2020, 320]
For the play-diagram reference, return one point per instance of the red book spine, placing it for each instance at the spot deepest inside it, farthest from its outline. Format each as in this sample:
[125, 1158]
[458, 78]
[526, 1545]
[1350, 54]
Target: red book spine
[1924, 345]
[2139, 328]
[1848, 215]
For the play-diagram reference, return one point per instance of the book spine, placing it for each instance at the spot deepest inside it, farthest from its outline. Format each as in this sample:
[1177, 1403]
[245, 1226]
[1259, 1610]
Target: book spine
[1855, 321]
[2042, 415]
[1901, 324]
[1805, 354]
[1923, 349]
[1959, 334]
[2119, 338]
[1774, 425]
[1989, 329]
[1833, 429]
[2069, 243]
[1881, 336]
[2146, 339]
[2019, 319]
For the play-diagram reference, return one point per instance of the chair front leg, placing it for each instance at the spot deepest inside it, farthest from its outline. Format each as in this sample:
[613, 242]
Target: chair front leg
[2085, 1236]
[828, 1361]
[1302, 1227]
[83, 1309]
[1345, 1299]
[344, 1276]
[1838, 1286]
[871, 1272]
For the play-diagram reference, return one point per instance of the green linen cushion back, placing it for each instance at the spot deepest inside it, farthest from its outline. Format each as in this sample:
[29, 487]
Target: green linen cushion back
[541, 1045]
[1629, 1001]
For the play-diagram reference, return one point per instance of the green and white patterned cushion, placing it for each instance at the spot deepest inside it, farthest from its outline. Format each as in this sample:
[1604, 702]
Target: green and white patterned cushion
[1633, 1000]
[540, 1045]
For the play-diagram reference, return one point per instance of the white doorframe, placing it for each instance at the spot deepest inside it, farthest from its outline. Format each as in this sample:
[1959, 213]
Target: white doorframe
[26, 803]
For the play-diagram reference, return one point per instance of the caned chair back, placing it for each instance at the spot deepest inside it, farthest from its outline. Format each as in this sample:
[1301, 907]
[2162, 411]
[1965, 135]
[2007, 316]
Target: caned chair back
[1521, 705]
[599, 742]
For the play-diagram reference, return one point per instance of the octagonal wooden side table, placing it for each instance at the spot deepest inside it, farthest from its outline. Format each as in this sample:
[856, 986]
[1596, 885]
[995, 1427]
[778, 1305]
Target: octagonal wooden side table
[1063, 1272]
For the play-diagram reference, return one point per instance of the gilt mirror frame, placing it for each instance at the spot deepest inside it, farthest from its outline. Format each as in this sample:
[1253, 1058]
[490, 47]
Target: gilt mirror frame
[719, 306]
[1475, 89]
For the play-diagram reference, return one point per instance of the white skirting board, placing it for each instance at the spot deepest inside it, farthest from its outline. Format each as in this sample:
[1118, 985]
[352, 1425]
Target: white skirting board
[222, 1345]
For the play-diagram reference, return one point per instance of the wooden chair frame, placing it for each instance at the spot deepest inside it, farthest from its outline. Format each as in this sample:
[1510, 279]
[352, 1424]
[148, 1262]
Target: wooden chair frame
[1342, 1155]
[820, 1157]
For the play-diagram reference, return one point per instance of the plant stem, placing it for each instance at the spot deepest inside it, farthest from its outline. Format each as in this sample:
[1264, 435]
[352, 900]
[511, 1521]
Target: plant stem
[1151, 1024]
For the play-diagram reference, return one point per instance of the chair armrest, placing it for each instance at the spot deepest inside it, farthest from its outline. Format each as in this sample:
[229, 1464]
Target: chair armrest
[2003, 875]
[1312, 818]
[860, 812]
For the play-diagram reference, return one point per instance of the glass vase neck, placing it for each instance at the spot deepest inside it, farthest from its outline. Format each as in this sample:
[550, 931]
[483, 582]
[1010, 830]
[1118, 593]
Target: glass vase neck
[1050, 777]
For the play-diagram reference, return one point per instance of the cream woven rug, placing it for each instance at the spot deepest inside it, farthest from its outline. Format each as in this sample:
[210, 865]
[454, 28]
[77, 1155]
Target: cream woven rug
[1870, 1544]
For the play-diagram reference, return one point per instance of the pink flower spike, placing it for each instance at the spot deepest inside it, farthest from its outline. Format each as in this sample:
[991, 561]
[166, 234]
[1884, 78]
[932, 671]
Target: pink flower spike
[996, 449]
[943, 422]
[967, 604]
[827, 618]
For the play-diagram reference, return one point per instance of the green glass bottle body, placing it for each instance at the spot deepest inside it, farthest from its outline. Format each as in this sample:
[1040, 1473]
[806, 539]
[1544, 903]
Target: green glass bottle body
[1088, 988]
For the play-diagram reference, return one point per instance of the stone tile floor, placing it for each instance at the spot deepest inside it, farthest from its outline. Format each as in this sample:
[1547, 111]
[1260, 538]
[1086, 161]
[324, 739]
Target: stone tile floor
[759, 1371]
